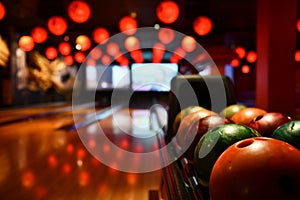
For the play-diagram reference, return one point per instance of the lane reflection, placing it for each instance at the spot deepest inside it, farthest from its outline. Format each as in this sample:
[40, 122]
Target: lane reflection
[39, 161]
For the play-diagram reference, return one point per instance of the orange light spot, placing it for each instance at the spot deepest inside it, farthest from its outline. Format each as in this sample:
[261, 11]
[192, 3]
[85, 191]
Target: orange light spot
[100, 35]
[57, 25]
[240, 51]
[66, 168]
[95, 53]
[128, 25]
[81, 153]
[69, 60]
[79, 56]
[235, 62]
[28, 179]
[26, 43]
[166, 35]
[297, 56]
[2, 11]
[84, 42]
[84, 178]
[167, 11]
[251, 56]
[64, 48]
[245, 69]
[51, 53]
[131, 43]
[202, 25]
[52, 161]
[188, 43]
[70, 148]
[79, 11]
[39, 34]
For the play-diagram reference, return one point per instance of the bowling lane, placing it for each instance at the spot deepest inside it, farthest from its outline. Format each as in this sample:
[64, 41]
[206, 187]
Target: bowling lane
[39, 160]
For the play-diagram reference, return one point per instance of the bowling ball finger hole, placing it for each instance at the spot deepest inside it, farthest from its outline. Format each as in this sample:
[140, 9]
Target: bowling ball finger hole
[258, 117]
[244, 144]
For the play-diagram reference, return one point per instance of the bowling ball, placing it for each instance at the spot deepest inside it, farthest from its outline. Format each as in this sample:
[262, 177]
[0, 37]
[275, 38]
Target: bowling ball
[289, 132]
[246, 115]
[188, 120]
[179, 117]
[198, 128]
[266, 124]
[229, 111]
[256, 168]
[213, 143]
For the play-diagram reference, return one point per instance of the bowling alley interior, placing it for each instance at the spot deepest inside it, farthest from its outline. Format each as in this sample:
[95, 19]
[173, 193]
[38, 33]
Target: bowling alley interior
[149, 99]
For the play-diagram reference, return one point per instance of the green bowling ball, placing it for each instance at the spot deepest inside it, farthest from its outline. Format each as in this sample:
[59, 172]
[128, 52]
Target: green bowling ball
[289, 132]
[229, 111]
[212, 145]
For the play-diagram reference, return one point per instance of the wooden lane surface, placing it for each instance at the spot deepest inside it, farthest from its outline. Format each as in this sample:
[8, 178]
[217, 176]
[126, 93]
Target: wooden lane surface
[40, 161]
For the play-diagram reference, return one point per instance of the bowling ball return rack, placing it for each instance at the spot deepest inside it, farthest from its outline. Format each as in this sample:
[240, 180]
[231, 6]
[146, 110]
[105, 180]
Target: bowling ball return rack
[179, 181]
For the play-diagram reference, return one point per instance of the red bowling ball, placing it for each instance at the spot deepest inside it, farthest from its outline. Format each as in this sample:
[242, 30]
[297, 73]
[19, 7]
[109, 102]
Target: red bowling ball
[198, 129]
[256, 168]
[246, 115]
[267, 123]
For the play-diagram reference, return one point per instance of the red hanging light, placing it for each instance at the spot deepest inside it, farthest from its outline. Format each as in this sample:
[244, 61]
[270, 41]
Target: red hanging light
[69, 60]
[251, 56]
[240, 51]
[57, 25]
[39, 34]
[64, 48]
[131, 43]
[26, 43]
[188, 43]
[95, 53]
[167, 12]
[113, 49]
[128, 25]
[106, 60]
[51, 53]
[79, 56]
[166, 35]
[2, 11]
[137, 56]
[202, 25]
[100, 35]
[245, 69]
[298, 25]
[179, 54]
[122, 60]
[235, 62]
[297, 56]
[158, 51]
[91, 62]
[83, 42]
[79, 11]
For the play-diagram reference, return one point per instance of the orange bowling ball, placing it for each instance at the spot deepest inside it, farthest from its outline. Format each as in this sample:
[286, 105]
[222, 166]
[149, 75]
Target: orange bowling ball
[187, 122]
[246, 115]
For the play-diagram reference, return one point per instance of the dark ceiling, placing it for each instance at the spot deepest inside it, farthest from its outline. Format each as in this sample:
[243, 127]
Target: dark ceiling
[233, 20]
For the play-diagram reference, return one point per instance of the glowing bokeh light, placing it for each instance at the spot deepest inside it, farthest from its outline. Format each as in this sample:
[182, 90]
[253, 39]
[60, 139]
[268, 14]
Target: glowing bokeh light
[51, 53]
[79, 11]
[26, 43]
[251, 56]
[188, 43]
[167, 11]
[57, 25]
[39, 34]
[100, 35]
[202, 25]
[64, 48]
[128, 25]
[245, 69]
[84, 42]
